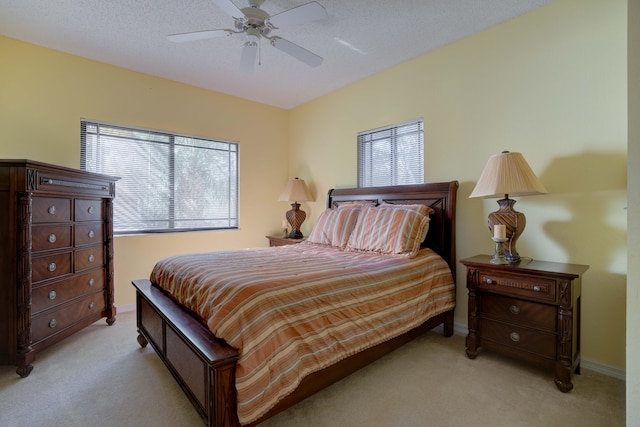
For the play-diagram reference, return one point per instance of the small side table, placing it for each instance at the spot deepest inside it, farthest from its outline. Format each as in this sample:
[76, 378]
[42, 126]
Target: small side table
[529, 311]
[282, 241]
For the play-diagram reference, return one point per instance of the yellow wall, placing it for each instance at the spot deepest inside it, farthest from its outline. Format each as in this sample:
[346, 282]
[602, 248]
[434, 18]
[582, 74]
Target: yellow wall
[550, 84]
[45, 93]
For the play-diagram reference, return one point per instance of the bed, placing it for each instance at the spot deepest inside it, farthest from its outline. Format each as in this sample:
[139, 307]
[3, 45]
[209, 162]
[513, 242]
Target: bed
[208, 368]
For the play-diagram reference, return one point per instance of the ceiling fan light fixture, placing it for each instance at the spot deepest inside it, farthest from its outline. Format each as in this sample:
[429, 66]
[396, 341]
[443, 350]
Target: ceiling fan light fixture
[255, 23]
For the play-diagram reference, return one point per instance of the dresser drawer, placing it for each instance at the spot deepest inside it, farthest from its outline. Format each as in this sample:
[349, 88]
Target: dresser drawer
[533, 314]
[46, 297]
[89, 233]
[51, 209]
[48, 237]
[50, 266]
[518, 337]
[524, 286]
[53, 321]
[89, 258]
[88, 210]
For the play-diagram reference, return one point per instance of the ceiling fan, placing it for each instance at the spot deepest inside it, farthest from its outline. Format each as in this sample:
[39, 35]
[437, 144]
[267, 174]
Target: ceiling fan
[253, 23]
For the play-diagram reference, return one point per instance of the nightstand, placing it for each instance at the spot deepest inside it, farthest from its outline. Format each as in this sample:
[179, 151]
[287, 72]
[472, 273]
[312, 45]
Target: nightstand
[529, 311]
[282, 241]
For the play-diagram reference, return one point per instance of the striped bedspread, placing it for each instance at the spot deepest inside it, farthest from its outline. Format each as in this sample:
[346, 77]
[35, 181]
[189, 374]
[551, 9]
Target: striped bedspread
[293, 310]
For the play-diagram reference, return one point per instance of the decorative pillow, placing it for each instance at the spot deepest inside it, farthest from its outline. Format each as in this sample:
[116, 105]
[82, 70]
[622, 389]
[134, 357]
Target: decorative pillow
[423, 209]
[389, 231]
[356, 204]
[334, 227]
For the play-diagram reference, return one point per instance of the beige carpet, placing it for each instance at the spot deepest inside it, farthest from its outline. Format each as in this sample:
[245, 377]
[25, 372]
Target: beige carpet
[101, 377]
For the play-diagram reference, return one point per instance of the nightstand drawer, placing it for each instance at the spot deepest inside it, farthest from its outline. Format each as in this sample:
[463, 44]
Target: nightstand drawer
[519, 338]
[534, 315]
[282, 241]
[527, 287]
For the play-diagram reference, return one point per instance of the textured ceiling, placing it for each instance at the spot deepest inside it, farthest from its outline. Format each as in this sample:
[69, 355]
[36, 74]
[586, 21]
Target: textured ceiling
[357, 39]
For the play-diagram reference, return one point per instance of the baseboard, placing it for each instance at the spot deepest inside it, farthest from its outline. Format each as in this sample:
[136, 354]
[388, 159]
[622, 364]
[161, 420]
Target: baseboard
[591, 365]
[601, 368]
[126, 308]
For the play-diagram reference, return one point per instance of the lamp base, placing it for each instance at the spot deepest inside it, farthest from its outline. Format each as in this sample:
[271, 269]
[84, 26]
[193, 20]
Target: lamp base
[514, 223]
[296, 217]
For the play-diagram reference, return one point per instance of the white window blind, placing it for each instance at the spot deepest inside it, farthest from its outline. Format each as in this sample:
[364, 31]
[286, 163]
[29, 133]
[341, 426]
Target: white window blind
[169, 182]
[392, 155]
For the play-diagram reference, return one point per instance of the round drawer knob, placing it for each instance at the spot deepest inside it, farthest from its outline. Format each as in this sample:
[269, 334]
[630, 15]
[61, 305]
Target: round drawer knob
[52, 295]
[53, 323]
[52, 267]
[52, 210]
[515, 337]
[91, 234]
[536, 288]
[91, 258]
[91, 282]
[514, 309]
[489, 281]
[90, 210]
[92, 305]
[52, 238]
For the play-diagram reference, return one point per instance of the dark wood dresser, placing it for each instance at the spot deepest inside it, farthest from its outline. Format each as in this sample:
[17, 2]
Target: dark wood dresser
[530, 311]
[56, 257]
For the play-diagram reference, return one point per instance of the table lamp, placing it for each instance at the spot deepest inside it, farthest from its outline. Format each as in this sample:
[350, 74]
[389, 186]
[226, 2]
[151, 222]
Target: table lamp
[295, 191]
[507, 174]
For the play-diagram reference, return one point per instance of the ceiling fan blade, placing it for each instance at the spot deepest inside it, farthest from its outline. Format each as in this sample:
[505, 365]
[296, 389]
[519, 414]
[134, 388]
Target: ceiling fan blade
[248, 57]
[229, 8]
[198, 35]
[299, 15]
[296, 51]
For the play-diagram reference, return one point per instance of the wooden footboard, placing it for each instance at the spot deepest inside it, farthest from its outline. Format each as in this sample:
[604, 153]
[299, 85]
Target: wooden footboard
[202, 365]
[205, 367]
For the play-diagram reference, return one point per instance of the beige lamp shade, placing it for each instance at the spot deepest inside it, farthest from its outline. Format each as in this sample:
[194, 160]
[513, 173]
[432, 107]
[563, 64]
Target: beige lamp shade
[295, 191]
[507, 174]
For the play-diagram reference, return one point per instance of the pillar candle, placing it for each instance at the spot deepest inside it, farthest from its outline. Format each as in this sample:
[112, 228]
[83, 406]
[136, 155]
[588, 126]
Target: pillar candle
[499, 231]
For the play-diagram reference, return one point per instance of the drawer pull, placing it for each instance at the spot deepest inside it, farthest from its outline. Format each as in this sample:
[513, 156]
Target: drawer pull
[91, 258]
[514, 309]
[53, 323]
[52, 238]
[91, 234]
[92, 305]
[52, 267]
[90, 210]
[52, 295]
[91, 282]
[489, 281]
[536, 288]
[515, 337]
[52, 210]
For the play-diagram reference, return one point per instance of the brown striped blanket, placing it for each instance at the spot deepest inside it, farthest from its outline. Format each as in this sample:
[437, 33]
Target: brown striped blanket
[293, 310]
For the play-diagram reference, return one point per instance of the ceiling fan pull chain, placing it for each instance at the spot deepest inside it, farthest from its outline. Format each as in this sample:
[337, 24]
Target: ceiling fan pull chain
[260, 51]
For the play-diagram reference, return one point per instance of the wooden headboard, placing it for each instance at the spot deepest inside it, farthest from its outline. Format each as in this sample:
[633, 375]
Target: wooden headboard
[440, 196]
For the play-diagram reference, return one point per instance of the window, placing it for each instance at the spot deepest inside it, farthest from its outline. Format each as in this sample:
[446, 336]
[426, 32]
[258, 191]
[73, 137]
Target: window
[168, 182]
[392, 155]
